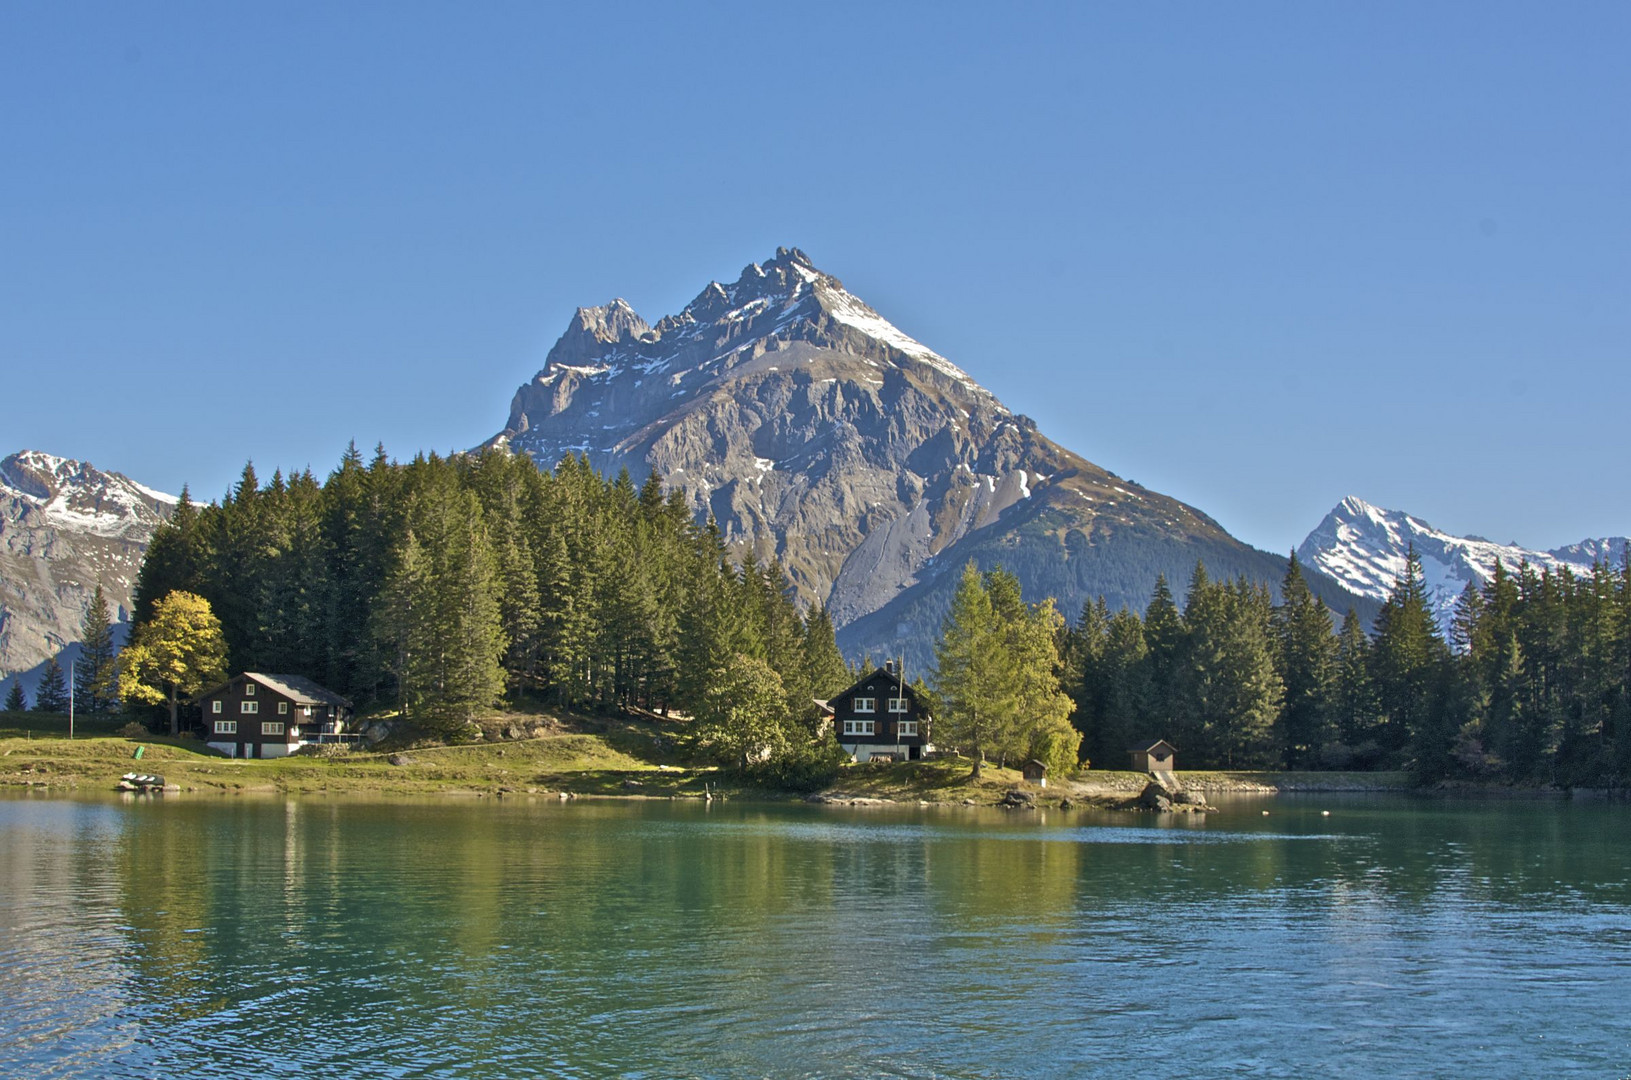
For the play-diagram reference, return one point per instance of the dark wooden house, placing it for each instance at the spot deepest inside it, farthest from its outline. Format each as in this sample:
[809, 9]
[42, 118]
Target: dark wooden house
[1034, 772]
[881, 717]
[1153, 756]
[262, 716]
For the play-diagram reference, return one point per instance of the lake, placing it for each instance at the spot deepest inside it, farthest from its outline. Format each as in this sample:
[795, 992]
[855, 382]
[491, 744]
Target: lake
[1394, 937]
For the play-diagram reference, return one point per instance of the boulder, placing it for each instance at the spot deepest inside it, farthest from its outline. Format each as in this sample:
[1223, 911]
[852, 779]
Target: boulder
[1155, 797]
[1016, 799]
[400, 759]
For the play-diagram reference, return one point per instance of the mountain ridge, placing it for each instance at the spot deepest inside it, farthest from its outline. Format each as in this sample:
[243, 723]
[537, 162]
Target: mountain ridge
[1363, 547]
[815, 432]
[66, 527]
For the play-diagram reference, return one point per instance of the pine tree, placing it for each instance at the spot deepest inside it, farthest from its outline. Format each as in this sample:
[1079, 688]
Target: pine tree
[1166, 638]
[96, 678]
[1305, 657]
[827, 672]
[1409, 665]
[51, 694]
[16, 700]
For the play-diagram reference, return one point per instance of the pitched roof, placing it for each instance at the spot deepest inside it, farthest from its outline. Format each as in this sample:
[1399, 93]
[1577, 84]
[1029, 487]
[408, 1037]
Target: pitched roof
[892, 676]
[1150, 747]
[297, 688]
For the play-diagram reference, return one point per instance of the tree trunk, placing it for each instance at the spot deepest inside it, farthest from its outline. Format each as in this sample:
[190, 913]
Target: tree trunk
[175, 725]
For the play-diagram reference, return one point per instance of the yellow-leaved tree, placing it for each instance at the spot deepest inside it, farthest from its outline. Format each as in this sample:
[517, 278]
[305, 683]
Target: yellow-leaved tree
[174, 655]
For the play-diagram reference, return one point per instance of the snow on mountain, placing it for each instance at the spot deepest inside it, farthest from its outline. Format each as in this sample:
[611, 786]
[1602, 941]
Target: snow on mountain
[815, 431]
[66, 527]
[1364, 548]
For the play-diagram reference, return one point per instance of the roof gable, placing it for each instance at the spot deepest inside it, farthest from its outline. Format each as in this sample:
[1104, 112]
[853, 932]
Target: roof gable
[297, 688]
[891, 677]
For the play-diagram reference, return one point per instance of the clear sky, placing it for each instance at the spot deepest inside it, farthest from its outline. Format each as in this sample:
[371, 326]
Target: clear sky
[1257, 256]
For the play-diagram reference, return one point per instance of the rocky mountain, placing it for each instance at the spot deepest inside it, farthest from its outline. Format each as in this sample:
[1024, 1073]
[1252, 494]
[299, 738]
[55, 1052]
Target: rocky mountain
[815, 431]
[1363, 547]
[65, 527]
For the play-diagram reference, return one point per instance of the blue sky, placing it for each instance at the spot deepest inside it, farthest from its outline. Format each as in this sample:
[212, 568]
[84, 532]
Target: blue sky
[1257, 256]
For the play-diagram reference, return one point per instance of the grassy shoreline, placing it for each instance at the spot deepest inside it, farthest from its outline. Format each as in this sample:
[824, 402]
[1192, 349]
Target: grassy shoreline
[624, 756]
[621, 760]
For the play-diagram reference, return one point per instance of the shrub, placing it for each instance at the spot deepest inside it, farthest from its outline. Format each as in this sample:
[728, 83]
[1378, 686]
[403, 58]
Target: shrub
[133, 730]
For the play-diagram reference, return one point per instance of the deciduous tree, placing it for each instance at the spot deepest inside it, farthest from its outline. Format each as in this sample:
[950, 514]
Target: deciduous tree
[177, 653]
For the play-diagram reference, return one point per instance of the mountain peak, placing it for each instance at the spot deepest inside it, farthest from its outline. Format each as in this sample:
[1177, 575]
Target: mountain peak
[1364, 547]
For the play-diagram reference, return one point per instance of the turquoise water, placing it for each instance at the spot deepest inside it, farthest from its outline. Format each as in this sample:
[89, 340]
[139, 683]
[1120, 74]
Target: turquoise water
[233, 937]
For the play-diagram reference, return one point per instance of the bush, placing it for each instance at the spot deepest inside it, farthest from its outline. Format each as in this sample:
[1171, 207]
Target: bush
[133, 730]
[808, 768]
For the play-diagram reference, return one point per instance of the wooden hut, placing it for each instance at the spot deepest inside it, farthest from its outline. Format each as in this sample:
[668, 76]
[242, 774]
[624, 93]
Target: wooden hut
[1034, 772]
[1153, 756]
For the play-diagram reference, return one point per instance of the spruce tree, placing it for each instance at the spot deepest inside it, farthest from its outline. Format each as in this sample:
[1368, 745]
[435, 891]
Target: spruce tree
[1305, 657]
[96, 679]
[1408, 664]
[16, 700]
[51, 695]
[827, 672]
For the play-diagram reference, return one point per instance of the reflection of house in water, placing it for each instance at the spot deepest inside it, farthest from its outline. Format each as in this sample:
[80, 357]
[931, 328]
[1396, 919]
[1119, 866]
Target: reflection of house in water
[264, 716]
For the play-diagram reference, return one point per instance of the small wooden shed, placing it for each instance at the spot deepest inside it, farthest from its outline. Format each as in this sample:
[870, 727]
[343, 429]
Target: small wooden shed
[1034, 772]
[1153, 756]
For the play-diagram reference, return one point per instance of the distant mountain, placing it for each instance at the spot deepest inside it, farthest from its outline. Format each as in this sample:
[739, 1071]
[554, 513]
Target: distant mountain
[65, 526]
[815, 431]
[1363, 548]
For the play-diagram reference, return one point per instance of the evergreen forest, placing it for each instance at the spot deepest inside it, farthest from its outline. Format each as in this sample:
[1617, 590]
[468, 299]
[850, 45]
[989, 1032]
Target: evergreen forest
[1532, 686]
[442, 586]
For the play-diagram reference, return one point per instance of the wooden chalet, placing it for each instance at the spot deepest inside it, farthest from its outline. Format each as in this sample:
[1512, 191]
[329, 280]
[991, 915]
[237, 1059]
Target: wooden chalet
[1034, 772]
[881, 717]
[262, 716]
[1153, 756]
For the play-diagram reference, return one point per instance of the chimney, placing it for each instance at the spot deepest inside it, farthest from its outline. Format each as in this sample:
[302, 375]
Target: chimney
[889, 666]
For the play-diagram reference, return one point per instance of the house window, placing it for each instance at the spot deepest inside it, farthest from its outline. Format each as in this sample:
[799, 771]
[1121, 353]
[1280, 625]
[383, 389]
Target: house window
[215, 706]
[897, 704]
[305, 710]
[249, 689]
[905, 727]
[226, 727]
[270, 728]
[282, 708]
[866, 704]
[858, 727]
[249, 706]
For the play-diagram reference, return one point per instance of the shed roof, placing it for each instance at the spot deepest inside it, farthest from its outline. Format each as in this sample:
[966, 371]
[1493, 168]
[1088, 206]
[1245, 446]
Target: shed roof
[1152, 747]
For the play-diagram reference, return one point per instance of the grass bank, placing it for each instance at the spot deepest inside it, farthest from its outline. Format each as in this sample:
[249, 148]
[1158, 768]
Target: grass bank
[625, 756]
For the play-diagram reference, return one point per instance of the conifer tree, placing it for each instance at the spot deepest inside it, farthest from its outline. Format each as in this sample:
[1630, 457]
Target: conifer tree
[51, 694]
[826, 670]
[1126, 713]
[96, 679]
[16, 700]
[968, 664]
[1408, 667]
[1306, 660]
[1166, 639]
